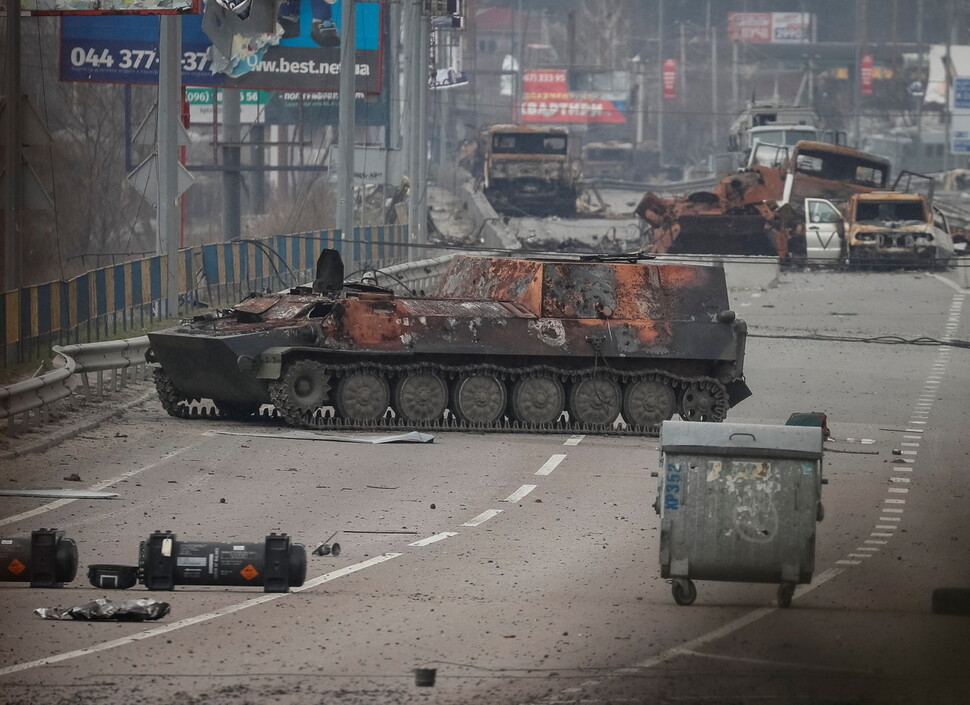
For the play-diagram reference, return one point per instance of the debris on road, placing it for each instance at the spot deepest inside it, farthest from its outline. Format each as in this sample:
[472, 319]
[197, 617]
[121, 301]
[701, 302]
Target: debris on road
[103, 609]
[59, 494]
[411, 437]
[326, 548]
[47, 559]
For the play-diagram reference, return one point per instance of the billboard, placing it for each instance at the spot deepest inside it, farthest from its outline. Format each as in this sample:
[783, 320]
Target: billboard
[770, 27]
[307, 58]
[107, 7]
[548, 98]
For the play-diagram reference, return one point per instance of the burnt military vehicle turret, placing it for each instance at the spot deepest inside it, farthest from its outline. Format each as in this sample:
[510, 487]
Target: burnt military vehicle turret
[591, 344]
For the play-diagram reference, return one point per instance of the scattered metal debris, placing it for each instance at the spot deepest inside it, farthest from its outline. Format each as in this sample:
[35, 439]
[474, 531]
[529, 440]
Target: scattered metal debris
[103, 609]
[59, 494]
[411, 437]
[328, 549]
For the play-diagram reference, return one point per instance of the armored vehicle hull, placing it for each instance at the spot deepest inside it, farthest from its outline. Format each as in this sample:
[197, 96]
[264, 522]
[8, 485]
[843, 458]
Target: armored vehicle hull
[504, 343]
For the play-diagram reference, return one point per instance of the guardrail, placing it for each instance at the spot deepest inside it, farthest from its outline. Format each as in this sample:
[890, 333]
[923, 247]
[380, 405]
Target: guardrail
[113, 364]
[116, 364]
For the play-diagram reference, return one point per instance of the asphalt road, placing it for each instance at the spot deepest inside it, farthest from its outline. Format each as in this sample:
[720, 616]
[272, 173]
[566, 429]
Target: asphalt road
[524, 568]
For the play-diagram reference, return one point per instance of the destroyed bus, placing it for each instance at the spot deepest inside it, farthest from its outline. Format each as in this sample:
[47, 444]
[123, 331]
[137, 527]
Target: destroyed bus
[527, 170]
[760, 210]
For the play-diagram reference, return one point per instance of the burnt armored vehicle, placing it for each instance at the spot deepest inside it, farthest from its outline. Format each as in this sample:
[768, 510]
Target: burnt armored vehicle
[504, 343]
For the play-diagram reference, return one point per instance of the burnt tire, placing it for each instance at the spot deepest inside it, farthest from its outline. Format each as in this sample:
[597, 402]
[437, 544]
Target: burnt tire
[302, 389]
[595, 400]
[362, 396]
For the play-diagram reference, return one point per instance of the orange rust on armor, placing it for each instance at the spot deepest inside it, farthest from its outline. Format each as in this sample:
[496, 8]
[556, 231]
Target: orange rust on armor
[501, 339]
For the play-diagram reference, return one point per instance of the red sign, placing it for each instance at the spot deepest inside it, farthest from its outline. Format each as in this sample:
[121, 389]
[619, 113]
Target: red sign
[749, 26]
[770, 27]
[865, 75]
[547, 98]
[670, 79]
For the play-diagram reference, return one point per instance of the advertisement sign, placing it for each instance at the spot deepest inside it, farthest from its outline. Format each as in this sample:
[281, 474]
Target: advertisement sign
[107, 7]
[791, 27]
[202, 101]
[770, 27]
[960, 116]
[865, 74]
[749, 26]
[547, 98]
[670, 79]
[125, 50]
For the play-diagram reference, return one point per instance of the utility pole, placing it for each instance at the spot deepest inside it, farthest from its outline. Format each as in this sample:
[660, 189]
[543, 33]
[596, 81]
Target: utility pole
[169, 97]
[231, 177]
[345, 132]
[13, 206]
[660, 81]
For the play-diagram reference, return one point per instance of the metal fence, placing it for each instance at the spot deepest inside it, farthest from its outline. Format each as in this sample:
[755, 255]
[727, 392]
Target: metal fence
[107, 302]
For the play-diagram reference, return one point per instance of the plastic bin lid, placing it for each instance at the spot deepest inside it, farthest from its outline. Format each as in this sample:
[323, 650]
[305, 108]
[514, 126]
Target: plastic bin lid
[761, 440]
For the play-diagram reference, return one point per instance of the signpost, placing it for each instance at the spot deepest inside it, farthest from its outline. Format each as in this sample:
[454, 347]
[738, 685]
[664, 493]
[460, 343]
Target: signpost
[960, 116]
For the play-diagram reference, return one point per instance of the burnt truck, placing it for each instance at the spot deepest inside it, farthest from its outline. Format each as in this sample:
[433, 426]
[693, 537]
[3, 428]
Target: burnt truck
[759, 210]
[527, 170]
[511, 344]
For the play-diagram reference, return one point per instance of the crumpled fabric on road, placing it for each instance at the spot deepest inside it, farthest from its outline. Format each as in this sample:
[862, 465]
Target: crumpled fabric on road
[103, 609]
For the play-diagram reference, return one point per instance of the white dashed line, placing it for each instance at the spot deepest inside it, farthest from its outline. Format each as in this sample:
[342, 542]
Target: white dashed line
[551, 464]
[434, 539]
[519, 493]
[483, 517]
[574, 440]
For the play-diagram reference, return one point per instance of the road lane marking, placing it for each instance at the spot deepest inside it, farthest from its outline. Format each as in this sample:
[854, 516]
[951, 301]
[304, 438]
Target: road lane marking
[899, 490]
[551, 464]
[847, 562]
[483, 517]
[574, 440]
[97, 486]
[432, 539]
[198, 619]
[520, 493]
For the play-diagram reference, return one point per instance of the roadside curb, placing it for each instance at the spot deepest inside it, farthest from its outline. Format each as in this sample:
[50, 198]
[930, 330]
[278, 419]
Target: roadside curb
[65, 434]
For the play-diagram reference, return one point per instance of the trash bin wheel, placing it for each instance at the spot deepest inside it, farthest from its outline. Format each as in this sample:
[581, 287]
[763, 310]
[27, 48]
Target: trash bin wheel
[785, 593]
[684, 591]
[335, 550]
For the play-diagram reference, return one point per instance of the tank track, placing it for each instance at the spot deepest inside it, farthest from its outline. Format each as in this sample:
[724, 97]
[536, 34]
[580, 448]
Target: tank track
[325, 418]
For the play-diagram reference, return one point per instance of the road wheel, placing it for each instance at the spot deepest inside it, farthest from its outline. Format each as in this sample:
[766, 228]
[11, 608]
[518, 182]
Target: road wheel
[363, 396]
[479, 399]
[538, 400]
[703, 401]
[594, 400]
[421, 396]
[303, 388]
[684, 592]
[648, 402]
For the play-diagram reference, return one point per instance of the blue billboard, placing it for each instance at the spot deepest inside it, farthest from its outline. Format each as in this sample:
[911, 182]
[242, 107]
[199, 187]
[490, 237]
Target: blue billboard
[122, 49]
